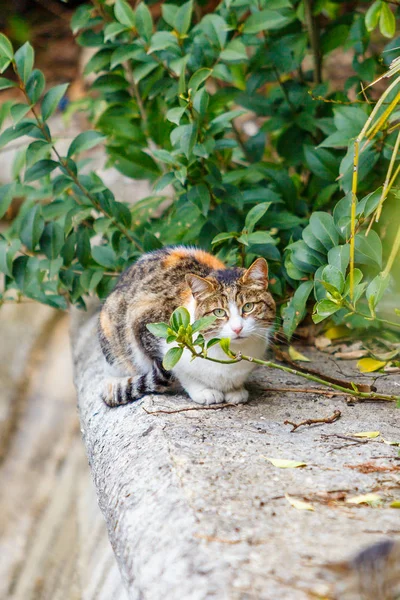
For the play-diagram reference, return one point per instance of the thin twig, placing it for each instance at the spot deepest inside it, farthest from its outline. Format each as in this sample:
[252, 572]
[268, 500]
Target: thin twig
[186, 409]
[336, 415]
[313, 34]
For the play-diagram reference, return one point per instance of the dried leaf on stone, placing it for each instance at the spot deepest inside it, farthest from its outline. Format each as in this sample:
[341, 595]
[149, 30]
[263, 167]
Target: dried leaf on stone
[366, 434]
[282, 463]
[322, 343]
[352, 354]
[371, 499]
[297, 356]
[395, 504]
[299, 504]
[369, 365]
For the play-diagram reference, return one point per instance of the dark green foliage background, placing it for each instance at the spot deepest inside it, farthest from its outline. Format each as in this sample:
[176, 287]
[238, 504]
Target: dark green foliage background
[167, 103]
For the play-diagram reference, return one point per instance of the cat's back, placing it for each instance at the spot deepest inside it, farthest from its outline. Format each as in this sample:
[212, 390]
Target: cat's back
[164, 270]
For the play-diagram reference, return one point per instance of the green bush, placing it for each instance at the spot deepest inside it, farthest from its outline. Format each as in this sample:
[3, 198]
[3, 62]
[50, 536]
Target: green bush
[168, 104]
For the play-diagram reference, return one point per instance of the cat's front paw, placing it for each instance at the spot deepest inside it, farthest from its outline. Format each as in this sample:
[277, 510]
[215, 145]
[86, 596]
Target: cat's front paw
[207, 396]
[237, 396]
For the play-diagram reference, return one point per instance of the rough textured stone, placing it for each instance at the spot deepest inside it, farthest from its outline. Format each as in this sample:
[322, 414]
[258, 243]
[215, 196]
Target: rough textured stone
[194, 510]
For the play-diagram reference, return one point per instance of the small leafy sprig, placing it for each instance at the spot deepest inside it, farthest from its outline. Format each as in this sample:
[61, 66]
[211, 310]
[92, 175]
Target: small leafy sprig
[179, 330]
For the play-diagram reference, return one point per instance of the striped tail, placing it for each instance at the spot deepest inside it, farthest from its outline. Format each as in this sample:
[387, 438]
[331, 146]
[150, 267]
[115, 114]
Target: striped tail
[124, 390]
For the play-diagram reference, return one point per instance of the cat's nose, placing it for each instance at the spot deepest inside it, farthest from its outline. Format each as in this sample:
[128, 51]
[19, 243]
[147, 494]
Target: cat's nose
[237, 328]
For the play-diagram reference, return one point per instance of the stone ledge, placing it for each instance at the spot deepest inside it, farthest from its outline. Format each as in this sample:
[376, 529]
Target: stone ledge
[193, 508]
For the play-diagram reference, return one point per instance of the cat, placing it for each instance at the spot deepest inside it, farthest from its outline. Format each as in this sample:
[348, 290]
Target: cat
[150, 290]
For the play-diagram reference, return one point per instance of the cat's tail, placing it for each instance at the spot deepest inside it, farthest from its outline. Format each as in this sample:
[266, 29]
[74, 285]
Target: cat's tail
[124, 390]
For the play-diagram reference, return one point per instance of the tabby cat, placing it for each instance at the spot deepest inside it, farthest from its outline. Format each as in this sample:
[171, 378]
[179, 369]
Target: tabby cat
[150, 290]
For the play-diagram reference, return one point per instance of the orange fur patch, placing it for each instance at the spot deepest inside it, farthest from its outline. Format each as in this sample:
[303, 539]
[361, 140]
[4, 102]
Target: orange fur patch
[201, 255]
[186, 296]
[105, 324]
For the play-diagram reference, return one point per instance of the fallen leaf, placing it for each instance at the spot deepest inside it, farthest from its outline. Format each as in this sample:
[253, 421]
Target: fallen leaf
[337, 332]
[352, 355]
[369, 365]
[297, 356]
[299, 504]
[366, 434]
[321, 342]
[395, 504]
[282, 463]
[391, 369]
[385, 356]
[390, 443]
[371, 499]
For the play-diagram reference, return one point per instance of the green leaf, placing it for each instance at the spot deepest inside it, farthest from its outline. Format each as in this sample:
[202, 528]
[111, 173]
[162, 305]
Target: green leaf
[357, 278]
[52, 240]
[184, 137]
[6, 49]
[223, 237]
[18, 111]
[179, 317]
[144, 22]
[203, 323]
[124, 13]
[216, 29]
[255, 214]
[31, 228]
[183, 17]
[35, 85]
[4, 64]
[268, 20]
[104, 256]
[24, 58]
[324, 309]
[143, 70]
[168, 12]
[260, 237]
[376, 289]
[8, 251]
[112, 30]
[387, 21]
[85, 141]
[40, 169]
[332, 276]
[136, 164]
[200, 196]
[322, 163]
[6, 198]
[295, 312]
[225, 344]
[323, 228]
[52, 99]
[339, 257]
[368, 250]
[235, 51]
[372, 15]
[172, 358]
[12, 133]
[158, 329]
[174, 115]
[6, 83]
[162, 40]
[198, 78]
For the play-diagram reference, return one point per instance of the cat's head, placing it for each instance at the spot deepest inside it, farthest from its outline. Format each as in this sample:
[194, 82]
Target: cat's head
[239, 298]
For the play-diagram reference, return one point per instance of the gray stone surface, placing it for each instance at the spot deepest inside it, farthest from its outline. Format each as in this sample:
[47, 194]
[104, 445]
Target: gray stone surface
[195, 510]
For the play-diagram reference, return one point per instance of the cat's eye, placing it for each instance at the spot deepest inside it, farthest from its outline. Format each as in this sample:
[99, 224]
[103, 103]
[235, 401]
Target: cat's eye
[219, 312]
[248, 307]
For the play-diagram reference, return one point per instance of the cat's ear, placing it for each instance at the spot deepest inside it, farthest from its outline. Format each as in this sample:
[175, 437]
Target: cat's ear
[257, 274]
[199, 285]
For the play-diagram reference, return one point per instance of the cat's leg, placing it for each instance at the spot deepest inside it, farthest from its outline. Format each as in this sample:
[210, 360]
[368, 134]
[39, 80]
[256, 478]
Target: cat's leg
[239, 396]
[200, 393]
[124, 390]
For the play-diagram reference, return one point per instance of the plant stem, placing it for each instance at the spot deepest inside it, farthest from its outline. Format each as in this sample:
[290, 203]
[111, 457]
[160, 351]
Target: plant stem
[313, 34]
[267, 363]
